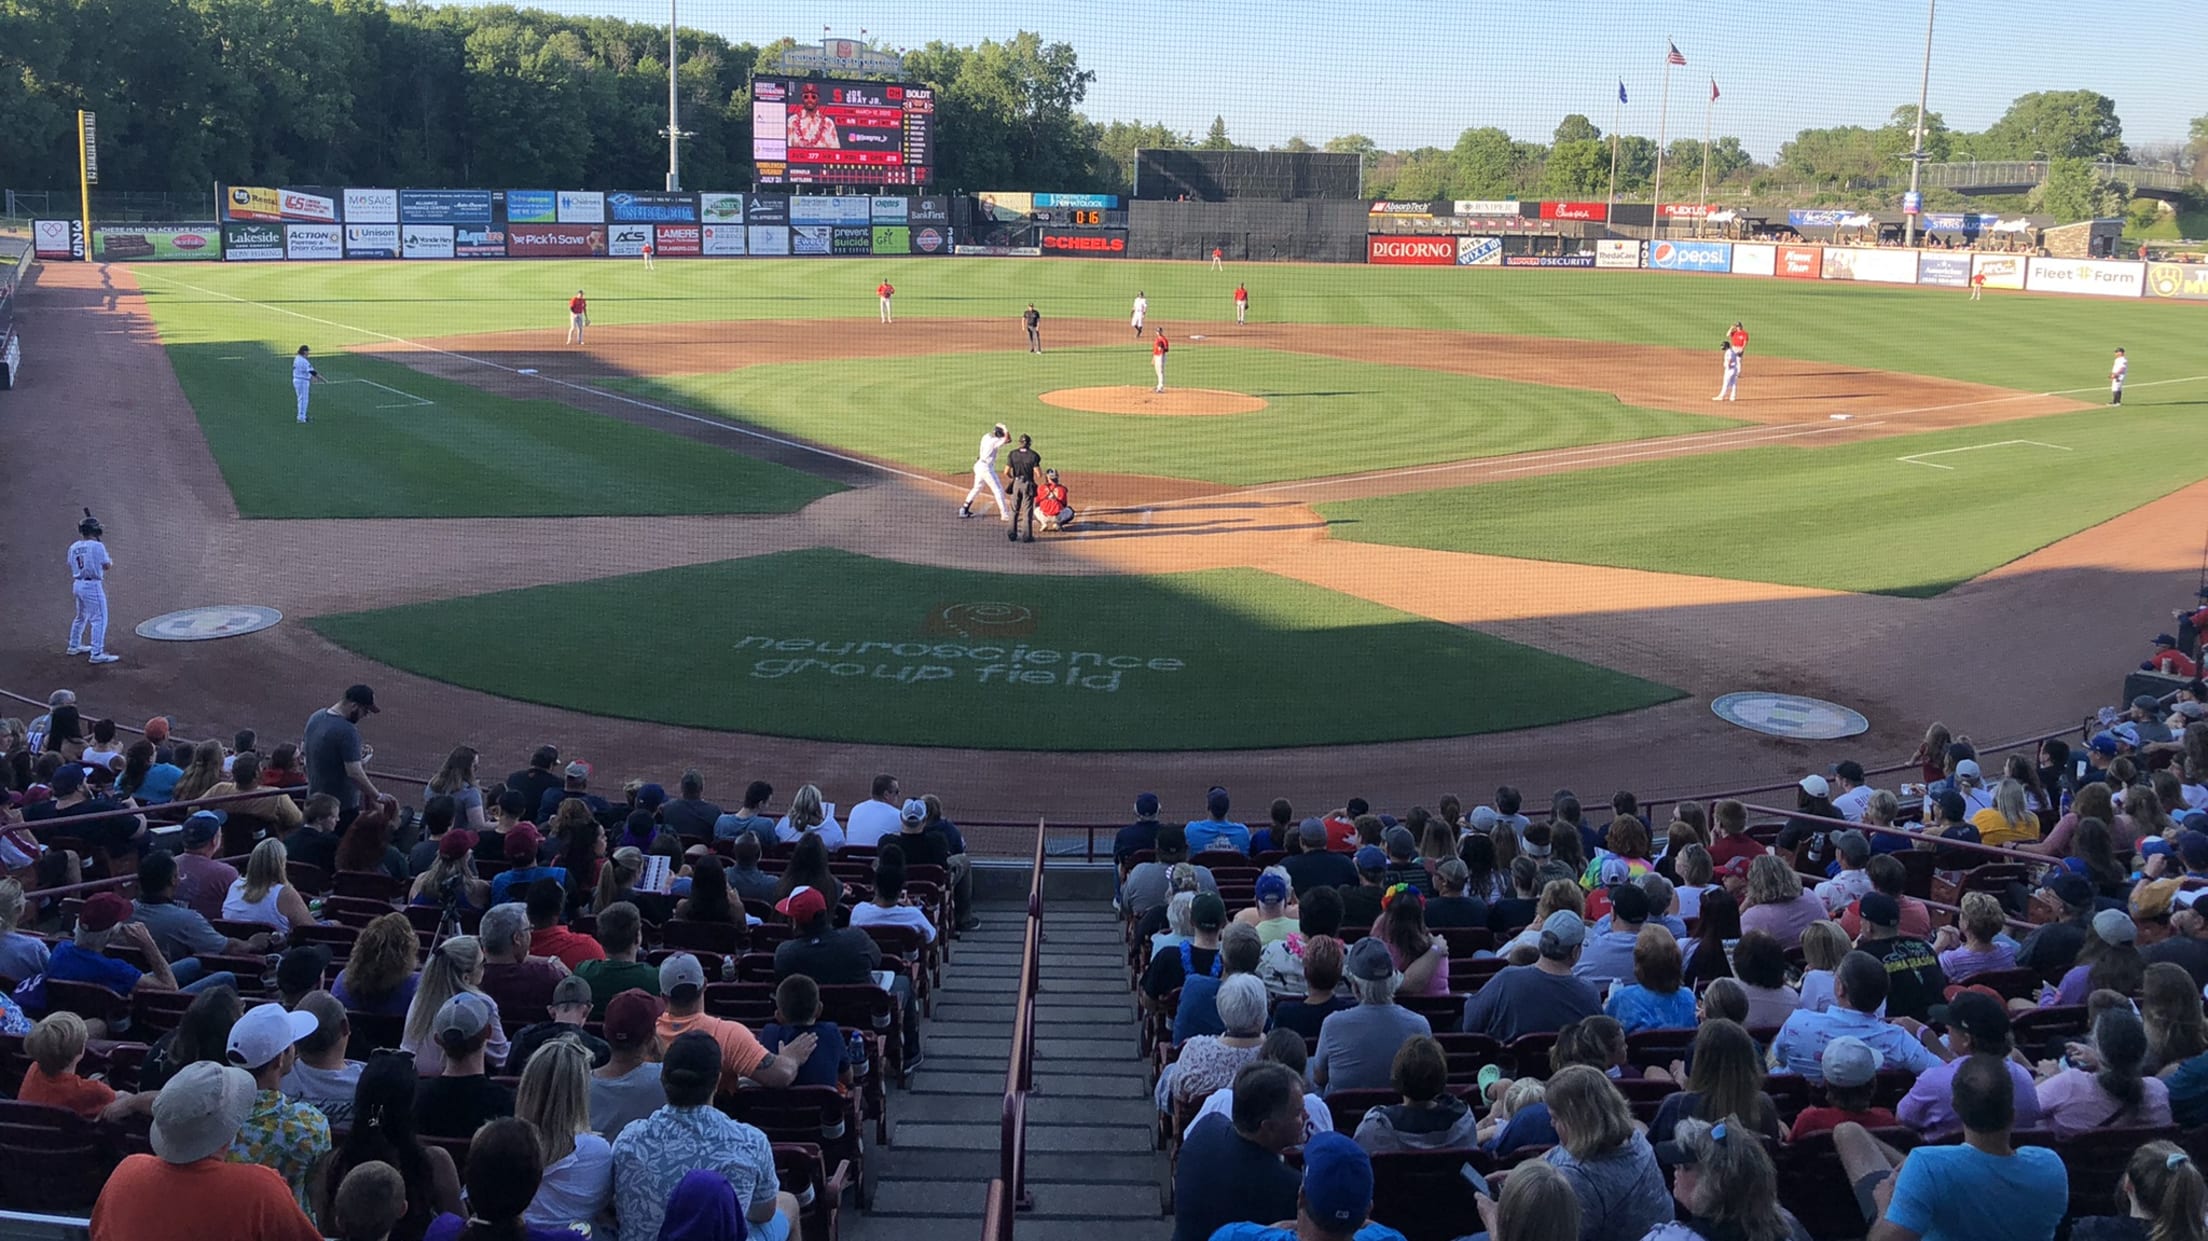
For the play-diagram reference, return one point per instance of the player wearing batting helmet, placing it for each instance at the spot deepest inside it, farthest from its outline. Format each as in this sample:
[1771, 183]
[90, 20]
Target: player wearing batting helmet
[88, 566]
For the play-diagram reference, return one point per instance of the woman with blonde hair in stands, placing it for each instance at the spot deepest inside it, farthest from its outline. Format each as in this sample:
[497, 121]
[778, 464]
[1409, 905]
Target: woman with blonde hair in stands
[1972, 945]
[1555, 894]
[1724, 1177]
[1776, 903]
[1610, 1166]
[279, 809]
[264, 893]
[2009, 821]
[456, 779]
[809, 815]
[2170, 1007]
[2143, 806]
[1726, 1080]
[1825, 944]
[452, 875]
[617, 883]
[203, 773]
[578, 1164]
[1931, 755]
[1538, 1204]
[454, 966]
[2161, 1198]
[379, 977]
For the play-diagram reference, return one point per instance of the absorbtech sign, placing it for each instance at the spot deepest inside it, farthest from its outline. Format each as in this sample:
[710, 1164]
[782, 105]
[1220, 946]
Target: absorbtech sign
[1411, 251]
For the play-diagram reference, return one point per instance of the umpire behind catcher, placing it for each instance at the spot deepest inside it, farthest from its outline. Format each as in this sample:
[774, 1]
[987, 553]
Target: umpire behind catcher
[1022, 465]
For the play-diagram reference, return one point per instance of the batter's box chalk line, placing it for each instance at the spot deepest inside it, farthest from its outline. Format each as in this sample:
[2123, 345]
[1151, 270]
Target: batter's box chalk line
[1918, 458]
[411, 402]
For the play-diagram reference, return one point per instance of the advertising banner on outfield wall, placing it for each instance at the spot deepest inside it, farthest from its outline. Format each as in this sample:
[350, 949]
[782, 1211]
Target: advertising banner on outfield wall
[767, 209]
[651, 207]
[156, 243]
[1485, 206]
[478, 241]
[1387, 207]
[721, 240]
[816, 209]
[2184, 280]
[555, 241]
[767, 239]
[252, 243]
[1691, 255]
[1108, 244]
[314, 241]
[370, 206]
[1575, 211]
[57, 239]
[1086, 202]
[1871, 266]
[372, 241]
[812, 238]
[930, 239]
[2091, 277]
[1754, 259]
[580, 206]
[2002, 271]
[425, 241]
[893, 210]
[893, 239]
[1800, 262]
[1411, 251]
[627, 241]
[720, 207]
[1479, 251]
[1618, 254]
[849, 239]
[532, 207]
[1950, 271]
[1821, 218]
[929, 209]
[444, 206]
[262, 203]
[1565, 261]
[677, 241]
[1688, 211]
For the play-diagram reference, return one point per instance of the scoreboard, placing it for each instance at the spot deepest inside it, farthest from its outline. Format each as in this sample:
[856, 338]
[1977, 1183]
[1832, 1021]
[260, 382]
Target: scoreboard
[822, 131]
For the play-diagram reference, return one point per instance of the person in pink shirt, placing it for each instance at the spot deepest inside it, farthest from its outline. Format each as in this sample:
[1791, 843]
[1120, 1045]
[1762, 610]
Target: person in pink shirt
[1420, 956]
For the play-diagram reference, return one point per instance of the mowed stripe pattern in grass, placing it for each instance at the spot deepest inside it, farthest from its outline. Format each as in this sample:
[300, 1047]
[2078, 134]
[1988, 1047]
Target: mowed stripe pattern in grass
[833, 646]
[1324, 416]
[371, 451]
[2011, 340]
[1851, 517]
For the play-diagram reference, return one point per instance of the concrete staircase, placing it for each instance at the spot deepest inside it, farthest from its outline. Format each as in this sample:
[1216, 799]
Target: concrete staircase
[1090, 1165]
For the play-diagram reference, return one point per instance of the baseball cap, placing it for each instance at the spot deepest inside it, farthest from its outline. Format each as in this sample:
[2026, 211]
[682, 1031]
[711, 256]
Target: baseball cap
[1815, 785]
[693, 1059]
[2192, 846]
[1271, 888]
[1629, 903]
[2104, 744]
[802, 905]
[1216, 800]
[1400, 844]
[2163, 639]
[1146, 803]
[2153, 898]
[632, 1017]
[1976, 1014]
[1565, 928]
[1208, 912]
[651, 795]
[2071, 888]
[1848, 769]
[2114, 926]
[571, 989]
[1853, 845]
[1967, 768]
[68, 778]
[1615, 870]
[301, 968]
[262, 1034]
[102, 912]
[462, 1017]
[2147, 702]
[1484, 818]
[456, 844]
[679, 971]
[578, 770]
[1368, 959]
[203, 826]
[157, 729]
[1879, 909]
[522, 842]
[364, 696]
[1849, 1061]
[2191, 709]
[1337, 1182]
[200, 1110]
[1369, 858]
[913, 811]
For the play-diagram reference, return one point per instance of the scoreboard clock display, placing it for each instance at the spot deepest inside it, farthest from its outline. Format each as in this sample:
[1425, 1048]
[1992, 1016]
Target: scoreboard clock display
[822, 131]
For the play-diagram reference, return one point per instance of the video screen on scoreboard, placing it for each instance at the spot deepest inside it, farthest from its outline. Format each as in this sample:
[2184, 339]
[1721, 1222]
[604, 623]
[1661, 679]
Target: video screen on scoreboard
[820, 131]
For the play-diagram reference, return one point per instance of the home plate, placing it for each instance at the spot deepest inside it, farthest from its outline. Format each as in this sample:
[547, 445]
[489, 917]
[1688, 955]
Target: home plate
[526, 370]
[1840, 417]
[1195, 338]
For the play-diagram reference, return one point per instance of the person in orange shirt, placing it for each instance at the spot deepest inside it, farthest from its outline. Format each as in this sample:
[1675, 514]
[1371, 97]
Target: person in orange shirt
[1053, 506]
[186, 1190]
[1241, 304]
[646, 251]
[578, 318]
[1978, 286]
[1737, 338]
[1217, 254]
[682, 982]
[56, 1046]
[885, 290]
[1159, 347]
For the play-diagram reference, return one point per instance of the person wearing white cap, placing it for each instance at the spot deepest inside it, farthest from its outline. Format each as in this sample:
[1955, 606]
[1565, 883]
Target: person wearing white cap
[1851, 1068]
[276, 1132]
[186, 1190]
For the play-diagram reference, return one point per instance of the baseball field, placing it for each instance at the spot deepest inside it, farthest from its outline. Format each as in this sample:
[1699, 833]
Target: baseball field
[1399, 504]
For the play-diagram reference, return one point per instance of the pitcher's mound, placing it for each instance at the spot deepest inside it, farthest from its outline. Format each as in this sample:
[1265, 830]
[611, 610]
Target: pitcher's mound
[1180, 402]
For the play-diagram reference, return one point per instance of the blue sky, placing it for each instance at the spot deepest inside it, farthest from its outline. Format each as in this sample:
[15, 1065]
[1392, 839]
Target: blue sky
[1419, 73]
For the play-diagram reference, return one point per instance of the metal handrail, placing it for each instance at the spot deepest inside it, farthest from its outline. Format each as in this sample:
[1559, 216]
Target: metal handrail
[1008, 1191]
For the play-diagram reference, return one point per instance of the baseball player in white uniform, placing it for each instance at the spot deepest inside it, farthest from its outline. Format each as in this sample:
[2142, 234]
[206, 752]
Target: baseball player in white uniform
[303, 377]
[985, 473]
[1731, 388]
[2116, 372]
[88, 566]
[1142, 307]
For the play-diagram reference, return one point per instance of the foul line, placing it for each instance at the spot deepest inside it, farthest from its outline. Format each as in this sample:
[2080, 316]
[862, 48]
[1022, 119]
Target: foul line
[417, 400]
[700, 419]
[1918, 458]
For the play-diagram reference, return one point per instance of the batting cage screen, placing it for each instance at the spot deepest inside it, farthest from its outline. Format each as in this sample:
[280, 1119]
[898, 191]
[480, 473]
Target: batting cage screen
[1217, 176]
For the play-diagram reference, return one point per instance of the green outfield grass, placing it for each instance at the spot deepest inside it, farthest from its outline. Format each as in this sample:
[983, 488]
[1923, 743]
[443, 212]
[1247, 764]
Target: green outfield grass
[1845, 518]
[1324, 416]
[834, 646]
[389, 441]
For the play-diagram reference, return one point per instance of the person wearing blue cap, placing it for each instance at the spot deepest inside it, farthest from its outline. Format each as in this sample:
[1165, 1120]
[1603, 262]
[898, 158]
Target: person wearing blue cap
[1361, 903]
[1334, 1203]
[1273, 916]
[1139, 835]
[1215, 830]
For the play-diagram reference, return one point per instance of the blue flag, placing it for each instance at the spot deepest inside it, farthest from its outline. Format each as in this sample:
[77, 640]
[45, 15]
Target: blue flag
[1621, 91]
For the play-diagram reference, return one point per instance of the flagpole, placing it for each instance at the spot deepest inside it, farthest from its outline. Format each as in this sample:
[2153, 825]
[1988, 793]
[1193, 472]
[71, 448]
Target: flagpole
[1617, 113]
[1708, 110]
[1663, 133]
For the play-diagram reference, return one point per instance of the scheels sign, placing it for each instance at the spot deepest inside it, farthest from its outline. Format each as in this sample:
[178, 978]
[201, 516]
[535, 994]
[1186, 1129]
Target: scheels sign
[1093, 245]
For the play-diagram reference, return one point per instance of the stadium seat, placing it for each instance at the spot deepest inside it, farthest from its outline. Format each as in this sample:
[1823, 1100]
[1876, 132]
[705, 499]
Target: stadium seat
[50, 1159]
[367, 884]
[806, 1174]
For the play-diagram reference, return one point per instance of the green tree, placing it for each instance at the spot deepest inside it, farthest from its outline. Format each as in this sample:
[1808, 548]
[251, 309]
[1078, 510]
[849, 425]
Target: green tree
[2063, 124]
[1355, 144]
[1577, 168]
[1486, 164]
[1215, 138]
[1846, 156]
[1297, 144]
[2197, 144]
[2075, 190]
[1576, 128]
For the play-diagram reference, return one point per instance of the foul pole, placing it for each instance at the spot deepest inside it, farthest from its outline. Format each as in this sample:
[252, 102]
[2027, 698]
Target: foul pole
[1916, 150]
[1703, 204]
[1617, 115]
[1663, 135]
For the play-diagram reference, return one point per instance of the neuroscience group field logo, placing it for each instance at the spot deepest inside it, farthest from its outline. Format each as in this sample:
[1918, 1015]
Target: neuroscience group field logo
[1790, 716]
[222, 620]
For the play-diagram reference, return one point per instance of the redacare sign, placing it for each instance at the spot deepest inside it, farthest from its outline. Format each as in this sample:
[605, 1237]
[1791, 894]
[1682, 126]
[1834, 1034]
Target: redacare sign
[1412, 251]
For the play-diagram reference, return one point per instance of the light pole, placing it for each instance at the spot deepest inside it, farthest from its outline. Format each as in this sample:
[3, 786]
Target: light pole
[1916, 150]
[674, 120]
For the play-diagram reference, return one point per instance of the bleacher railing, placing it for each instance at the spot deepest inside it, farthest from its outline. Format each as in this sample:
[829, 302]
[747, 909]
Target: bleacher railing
[1008, 1191]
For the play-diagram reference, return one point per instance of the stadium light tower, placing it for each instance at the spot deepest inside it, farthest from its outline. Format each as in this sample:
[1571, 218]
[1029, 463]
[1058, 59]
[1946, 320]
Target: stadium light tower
[1916, 150]
[674, 120]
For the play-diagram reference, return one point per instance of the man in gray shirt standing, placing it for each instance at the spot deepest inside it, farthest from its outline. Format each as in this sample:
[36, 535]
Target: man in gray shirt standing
[334, 754]
[1357, 1046]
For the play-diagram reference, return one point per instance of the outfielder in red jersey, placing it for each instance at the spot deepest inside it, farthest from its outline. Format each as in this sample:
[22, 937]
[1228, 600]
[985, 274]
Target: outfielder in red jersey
[578, 318]
[1158, 349]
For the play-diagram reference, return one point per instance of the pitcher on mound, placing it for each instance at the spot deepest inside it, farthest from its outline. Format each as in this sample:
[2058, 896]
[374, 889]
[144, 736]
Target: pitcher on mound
[1159, 347]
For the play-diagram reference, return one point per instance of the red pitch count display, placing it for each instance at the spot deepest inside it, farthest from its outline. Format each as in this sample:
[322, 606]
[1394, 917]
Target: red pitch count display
[821, 131]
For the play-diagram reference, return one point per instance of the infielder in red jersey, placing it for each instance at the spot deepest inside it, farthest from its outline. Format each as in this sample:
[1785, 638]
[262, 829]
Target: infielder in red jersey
[578, 318]
[1241, 304]
[884, 291]
[1738, 338]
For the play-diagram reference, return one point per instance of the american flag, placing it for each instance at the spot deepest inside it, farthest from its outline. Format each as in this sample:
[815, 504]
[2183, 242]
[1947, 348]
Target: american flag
[1674, 56]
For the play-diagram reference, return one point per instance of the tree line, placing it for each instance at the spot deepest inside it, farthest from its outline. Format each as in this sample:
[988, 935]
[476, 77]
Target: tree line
[362, 92]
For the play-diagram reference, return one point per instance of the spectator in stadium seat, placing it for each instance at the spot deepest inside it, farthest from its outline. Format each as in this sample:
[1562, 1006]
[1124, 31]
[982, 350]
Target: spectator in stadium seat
[1658, 997]
[1731, 841]
[514, 979]
[1986, 1187]
[178, 930]
[746, 882]
[1404, 866]
[1419, 955]
[523, 849]
[1859, 989]
[1722, 1080]
[537, 779]
[574, 786]
[1321, 965]
[1540, 998]
[554, 1099]
[322, 1078]
[1427, 1117]
[1851, 1072]
[369, 1203]
[1611, 1167]
[383, 1132]
[620, 933]
[454, 966]
[1889, 876]
[547, 900]
[1759, 964]
[1280, 835]
[201, 881]
[1281, 966]
[1170, 968]
[1215, 830]
[1727, 1184]
[1776, 902]
[277, 1133]
[379, 977]
[437, 822]
[1285, 1048]
[808, 816]
[2187, 946]
[1854, 791]
[1537, 1204]
[751, 818]
[1977, 1025]
[246, 775]
[1609, 956]
[1853, 849]
[1357, 1046]
[1274, 914]
[461, 1096]
[1521, 907]
[367, 846]
[873, 820]
[1198, 1013]
[1361, 901]
[797, 1010]
[889, 905]
[626, 1088]
[654, 1154]
[2104, 1083]
[1334, 1204]
[1139, 835]
[186, 1191]
[56, 1047]
[83, 958]
[1453, 907]
[1558, 893]
[265, 893]
[1208, 1062]
[1148, 885]
[1230, 1170]
[1914, 979]
[690, 815]
[570, 1007]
